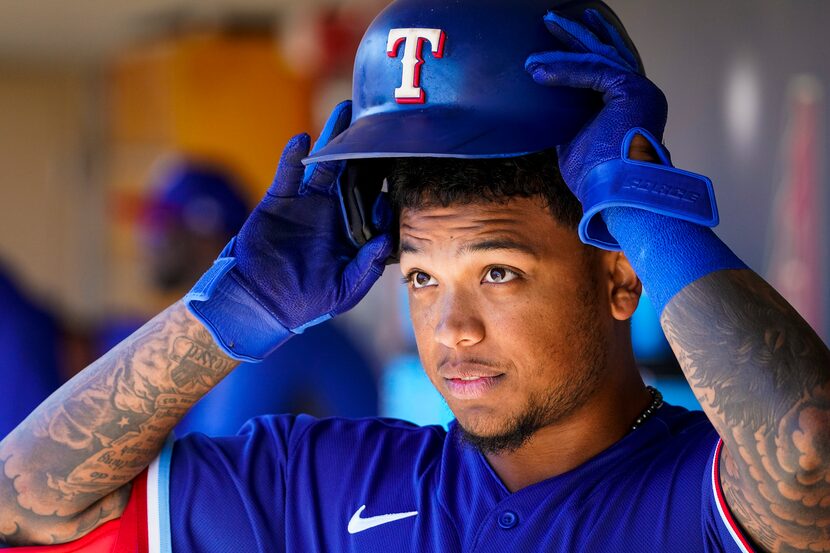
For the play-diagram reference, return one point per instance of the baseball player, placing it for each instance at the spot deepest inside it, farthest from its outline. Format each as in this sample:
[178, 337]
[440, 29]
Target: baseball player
[524, 263]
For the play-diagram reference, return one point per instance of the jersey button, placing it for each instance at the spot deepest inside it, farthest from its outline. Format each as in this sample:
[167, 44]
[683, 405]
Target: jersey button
[508, 519]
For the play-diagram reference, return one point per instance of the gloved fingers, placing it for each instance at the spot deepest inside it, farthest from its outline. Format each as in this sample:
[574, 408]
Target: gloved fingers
[372, 255]
[579, 39]
[338, 121]
[609, 35]
[382, 214]
[364, 270]
[319, 177]
[574, 70]
[636, 98]
[290, 170]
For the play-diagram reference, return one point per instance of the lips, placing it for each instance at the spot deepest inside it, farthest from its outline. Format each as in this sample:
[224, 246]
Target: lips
[468, 372]
[465, 369]
[475, 388]
[469, 379]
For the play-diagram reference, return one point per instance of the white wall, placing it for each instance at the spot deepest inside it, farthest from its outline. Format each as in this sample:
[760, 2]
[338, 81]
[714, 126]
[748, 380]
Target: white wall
[50, 195]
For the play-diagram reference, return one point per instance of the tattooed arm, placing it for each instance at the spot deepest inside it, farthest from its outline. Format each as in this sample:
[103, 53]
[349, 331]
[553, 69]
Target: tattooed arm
[67, 468]
[763, 377]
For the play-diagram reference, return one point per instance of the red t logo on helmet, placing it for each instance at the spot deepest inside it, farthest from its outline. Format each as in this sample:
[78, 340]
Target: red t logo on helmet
[410, 91]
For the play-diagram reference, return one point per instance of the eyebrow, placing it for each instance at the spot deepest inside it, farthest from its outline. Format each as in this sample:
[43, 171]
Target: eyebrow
[409, 247]
[498, 244]
[492, 244]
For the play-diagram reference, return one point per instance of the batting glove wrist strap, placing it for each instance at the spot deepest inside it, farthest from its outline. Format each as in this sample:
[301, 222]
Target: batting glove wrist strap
[624, 182]
[241, 326]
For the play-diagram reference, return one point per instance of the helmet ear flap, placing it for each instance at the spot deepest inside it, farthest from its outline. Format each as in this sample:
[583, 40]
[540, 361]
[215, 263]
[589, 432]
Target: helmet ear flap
[361, 189]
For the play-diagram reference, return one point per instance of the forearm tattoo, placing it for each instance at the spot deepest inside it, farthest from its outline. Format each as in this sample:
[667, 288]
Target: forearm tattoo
[763, 377]
[67, 467]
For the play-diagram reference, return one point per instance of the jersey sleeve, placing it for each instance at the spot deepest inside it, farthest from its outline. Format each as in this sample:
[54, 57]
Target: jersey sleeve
[228, 494]
[722, 531]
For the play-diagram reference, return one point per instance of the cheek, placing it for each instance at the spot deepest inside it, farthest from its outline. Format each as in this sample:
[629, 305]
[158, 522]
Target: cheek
[421, 316]
[538, 329]
[526, 328]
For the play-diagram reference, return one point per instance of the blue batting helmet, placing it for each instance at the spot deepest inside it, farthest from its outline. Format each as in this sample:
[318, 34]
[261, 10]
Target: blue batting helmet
[446, 78]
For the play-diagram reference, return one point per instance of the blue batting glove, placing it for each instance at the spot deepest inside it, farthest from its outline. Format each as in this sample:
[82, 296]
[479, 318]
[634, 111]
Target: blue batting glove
[292, 264]
[596, 164]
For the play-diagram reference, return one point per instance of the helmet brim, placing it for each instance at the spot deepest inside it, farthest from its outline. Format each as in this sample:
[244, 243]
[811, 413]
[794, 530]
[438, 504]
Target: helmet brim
[413, 134]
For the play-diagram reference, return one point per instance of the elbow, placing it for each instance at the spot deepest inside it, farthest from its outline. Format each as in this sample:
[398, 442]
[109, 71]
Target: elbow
[806, 460]
[34, 532]
[21, 531]
[811, 442]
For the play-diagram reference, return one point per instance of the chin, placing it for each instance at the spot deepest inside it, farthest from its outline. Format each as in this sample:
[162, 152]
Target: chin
[493, 431]
[480, 419]
[475, 426]
[492, 440]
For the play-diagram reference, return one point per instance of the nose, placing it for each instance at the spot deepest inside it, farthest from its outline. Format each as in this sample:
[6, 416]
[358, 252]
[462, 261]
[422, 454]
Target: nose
[459, 323]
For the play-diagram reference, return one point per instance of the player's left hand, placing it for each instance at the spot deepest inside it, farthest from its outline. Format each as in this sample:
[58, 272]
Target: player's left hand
[596, 164]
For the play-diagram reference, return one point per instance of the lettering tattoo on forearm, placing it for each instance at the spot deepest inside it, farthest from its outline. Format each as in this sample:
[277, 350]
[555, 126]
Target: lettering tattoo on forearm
[197, 364]
[763, 377]
[65, 467]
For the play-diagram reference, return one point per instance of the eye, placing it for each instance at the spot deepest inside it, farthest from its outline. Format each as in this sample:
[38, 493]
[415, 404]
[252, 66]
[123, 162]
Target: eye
[420, 279]
[499, 275]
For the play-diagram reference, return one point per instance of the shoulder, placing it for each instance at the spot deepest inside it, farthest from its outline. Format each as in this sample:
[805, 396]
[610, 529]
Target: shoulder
[277, 439]
[681, 421]
[295, 429]
[367, 442]
[273, 459]
[683, 429]
[668, 456]
[682, 440]
[658, 483]
[371, 428]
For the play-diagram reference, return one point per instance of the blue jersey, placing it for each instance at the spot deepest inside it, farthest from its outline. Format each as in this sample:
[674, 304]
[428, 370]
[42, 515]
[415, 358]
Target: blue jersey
[299, 484]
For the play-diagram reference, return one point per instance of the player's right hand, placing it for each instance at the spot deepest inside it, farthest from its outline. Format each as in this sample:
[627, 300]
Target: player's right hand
[291, 265]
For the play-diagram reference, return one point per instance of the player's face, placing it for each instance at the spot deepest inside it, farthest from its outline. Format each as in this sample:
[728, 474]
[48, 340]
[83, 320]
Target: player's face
[506, 306]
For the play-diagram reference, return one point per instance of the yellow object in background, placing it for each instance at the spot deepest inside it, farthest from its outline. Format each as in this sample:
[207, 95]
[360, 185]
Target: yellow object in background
[224, 97]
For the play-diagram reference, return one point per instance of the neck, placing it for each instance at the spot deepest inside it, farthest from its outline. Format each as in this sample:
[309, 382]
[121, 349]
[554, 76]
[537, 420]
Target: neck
[600, 422]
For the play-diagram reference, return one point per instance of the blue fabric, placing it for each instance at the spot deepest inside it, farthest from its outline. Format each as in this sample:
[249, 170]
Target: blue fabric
[650, 186]
[235, 317]
[29, 366]
[667, 253]
[293, 484]
[292, 263]
[595, 164]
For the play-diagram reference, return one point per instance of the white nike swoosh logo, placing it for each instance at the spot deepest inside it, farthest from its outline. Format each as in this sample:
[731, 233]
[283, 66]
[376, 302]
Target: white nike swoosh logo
[358, 524]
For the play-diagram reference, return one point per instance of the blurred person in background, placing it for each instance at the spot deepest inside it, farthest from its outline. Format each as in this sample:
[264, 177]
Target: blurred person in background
[30, 339]
[193, 210]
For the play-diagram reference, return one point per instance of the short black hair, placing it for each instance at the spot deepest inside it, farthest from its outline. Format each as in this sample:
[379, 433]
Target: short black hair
[428, 182]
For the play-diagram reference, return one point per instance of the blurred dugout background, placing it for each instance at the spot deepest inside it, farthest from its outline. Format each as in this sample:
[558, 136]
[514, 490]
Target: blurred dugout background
[98, 100]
